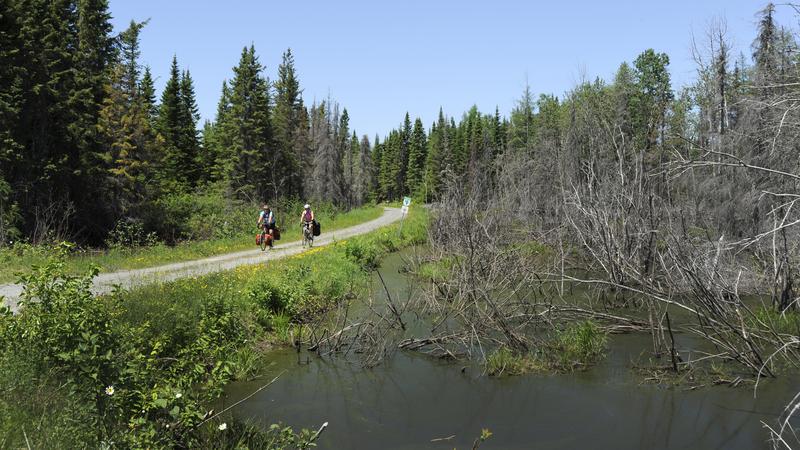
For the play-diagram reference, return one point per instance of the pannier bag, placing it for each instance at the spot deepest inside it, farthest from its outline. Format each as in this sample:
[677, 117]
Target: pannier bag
[258, 238]
[316, 228]
[276, 234]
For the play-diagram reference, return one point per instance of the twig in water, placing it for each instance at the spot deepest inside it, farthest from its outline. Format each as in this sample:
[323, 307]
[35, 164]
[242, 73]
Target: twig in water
[444, 438]
[242, 400]
[319, 431]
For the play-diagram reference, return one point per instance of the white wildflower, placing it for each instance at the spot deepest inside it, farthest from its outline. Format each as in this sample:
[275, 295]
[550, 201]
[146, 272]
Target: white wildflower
[178, 395]
[223, 426]
[110, 390]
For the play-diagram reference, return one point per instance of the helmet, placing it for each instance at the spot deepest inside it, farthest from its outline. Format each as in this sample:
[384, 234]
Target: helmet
[306, 206]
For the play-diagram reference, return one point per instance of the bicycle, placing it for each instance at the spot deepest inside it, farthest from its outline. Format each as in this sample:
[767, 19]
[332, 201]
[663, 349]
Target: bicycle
[308, 234]
[265, 239]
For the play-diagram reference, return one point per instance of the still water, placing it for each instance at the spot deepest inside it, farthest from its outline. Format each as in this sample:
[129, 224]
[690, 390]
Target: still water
[412, 399]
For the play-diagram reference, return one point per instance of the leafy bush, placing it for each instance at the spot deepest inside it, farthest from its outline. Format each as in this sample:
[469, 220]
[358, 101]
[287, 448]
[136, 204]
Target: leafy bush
[71, 355]
[362, 253]
[130, 234]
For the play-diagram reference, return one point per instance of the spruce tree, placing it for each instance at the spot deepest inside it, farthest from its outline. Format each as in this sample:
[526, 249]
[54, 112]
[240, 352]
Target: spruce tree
[289, 155]
[189, 136]
[403, 152]
[345, 154]
[147, 91]
[248, 130]
[522, 131]
[128, 139]
[377, 157]
[363, 173]
[416, 158]
[169, 125]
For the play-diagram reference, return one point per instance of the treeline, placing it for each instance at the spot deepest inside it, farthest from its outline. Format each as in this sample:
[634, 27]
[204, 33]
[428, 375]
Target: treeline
[86, 146]
[635, 130]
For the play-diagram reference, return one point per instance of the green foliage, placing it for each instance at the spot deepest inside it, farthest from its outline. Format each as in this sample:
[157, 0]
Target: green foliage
[575, 347]
[136, 370]
[130, 235]
[579, 345]
[504, 361]
[362, 253]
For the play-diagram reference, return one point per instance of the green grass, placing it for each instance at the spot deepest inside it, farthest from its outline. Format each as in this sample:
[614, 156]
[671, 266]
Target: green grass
[787, 322]
[15, 261]
[505, 362]
[576, 347]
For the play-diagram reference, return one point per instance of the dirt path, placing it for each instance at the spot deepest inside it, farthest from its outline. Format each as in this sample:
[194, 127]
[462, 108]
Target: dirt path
[129, 278]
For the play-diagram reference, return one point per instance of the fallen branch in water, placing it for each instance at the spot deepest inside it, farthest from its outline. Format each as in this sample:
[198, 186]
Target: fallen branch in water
[314, 347]
[242, 400]
[444, 438]
[319, 431]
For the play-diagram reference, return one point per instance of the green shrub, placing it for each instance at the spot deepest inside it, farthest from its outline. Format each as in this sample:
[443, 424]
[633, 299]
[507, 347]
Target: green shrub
[365, 254]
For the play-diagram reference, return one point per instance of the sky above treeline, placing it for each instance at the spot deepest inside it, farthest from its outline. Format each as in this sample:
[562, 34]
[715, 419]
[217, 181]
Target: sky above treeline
[380, 59]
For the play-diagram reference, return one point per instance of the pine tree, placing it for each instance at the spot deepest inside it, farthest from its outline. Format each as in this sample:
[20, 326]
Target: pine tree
[129, 59]
[498, 134]
[345, 154]
[147, 91]
[128, 139]
[169, 125]
[249, 131]
[439, 157]
[326, 182]
[522, 131]
[403, 153]
[653, 97]
[418, 148]
[765, 47]
[350, 169]
[377, 157]
[189, 136]
[289, 154]
[63, 51]
[389, 177]
[363, 173]
[217, 139]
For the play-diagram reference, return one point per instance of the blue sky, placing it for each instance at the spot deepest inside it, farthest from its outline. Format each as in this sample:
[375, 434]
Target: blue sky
[381, 58]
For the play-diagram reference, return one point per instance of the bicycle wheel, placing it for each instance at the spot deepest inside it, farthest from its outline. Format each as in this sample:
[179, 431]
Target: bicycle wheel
[263, 242]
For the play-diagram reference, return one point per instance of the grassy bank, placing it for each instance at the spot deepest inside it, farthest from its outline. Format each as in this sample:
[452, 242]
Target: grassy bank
[20, 258]
[136, 369]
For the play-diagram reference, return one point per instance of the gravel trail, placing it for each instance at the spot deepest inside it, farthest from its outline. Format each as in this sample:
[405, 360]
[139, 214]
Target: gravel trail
[105, 282]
